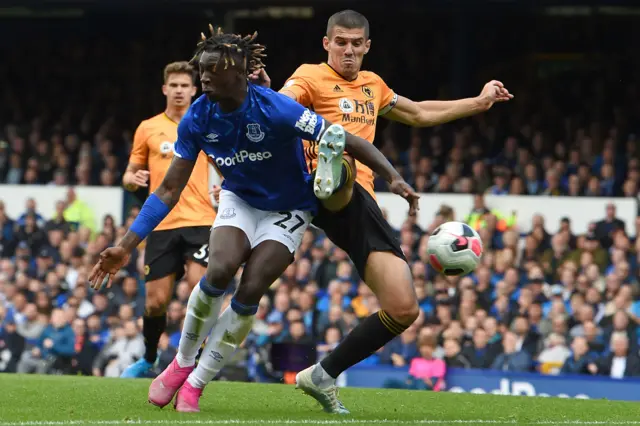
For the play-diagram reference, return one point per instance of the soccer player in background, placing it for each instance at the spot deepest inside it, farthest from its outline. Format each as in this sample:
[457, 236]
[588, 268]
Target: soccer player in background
[181, 239]
[253, 134]
[341, 92]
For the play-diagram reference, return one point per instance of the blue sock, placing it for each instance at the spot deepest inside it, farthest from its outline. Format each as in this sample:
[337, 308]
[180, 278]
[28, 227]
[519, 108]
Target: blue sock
[244, 310]
[209, 289]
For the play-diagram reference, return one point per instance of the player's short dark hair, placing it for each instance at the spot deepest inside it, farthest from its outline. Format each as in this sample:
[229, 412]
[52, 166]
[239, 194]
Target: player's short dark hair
[232, 45]
[181, 67]
[349, 19]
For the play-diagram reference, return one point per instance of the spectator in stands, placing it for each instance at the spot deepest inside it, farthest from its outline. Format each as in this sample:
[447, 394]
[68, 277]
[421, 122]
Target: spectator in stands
[554, 355]
[31, 233]
[552, 184]
[54, 348]
[528, 340]
[425, 372]
[512, 359]
[31, 326]
[84, 350]
[579, 360]
[11, 343]
[126, 347]
[401, 350]
[620, 362]
[31, 209]
[78, 212]
[454, 358]
[332, 337]
[605, 227]
[480, 352]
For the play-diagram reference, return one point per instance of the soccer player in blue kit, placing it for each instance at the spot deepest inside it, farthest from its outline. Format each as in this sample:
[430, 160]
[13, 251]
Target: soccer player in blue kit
[253, 135]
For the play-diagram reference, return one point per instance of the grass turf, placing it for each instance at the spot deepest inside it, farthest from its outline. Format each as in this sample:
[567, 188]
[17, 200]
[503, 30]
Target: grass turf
[66, 400]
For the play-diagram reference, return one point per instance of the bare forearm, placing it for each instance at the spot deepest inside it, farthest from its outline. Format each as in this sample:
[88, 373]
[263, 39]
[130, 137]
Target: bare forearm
[434, 113]
[130, 241]
[364, 151]
[174, 181]
[129, 177]
[127, 181]
[160, 203]
[168, 196]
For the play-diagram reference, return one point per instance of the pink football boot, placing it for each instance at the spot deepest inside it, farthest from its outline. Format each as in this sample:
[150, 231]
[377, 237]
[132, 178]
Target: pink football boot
[187, 400]
[165, 386]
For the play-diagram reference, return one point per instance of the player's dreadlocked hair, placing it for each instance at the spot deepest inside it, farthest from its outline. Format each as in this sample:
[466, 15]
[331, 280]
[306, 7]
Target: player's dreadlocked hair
[230, 44]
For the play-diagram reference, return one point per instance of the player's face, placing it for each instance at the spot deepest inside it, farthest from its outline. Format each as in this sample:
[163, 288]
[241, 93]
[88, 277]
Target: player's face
[179, 89]
[217, 83]
[346, 48]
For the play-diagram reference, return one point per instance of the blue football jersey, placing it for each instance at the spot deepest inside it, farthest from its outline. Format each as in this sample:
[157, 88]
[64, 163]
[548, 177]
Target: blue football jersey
[258, 147]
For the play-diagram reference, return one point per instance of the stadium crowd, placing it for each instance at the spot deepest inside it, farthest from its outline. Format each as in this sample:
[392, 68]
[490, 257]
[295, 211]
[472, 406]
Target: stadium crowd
[547, 300]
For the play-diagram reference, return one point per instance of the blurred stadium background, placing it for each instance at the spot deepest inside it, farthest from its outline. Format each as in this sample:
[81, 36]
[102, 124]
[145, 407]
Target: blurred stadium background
[551, 181]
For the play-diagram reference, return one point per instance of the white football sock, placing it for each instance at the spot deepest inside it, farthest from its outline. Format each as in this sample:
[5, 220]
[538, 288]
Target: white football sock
[202, 314]
[321, 378]
[228, 333]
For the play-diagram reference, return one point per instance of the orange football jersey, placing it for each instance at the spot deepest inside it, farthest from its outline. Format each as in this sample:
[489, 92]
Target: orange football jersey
[153, 149]
[354, 104]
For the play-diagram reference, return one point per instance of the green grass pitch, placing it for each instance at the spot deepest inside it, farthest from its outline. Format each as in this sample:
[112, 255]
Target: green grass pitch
[66, 400]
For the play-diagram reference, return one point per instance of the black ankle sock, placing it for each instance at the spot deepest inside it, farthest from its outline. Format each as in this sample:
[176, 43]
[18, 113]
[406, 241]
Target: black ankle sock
[152, 329]
[199, 354]
[369, 336]
[344, 176]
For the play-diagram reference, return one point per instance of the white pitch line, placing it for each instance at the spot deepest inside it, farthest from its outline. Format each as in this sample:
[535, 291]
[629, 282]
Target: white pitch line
[312, 422]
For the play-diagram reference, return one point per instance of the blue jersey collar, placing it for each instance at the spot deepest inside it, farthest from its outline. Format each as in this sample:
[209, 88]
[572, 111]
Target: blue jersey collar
[243, 107]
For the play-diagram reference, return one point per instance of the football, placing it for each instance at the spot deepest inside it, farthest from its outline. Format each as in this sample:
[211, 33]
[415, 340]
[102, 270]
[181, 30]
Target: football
[454, 248]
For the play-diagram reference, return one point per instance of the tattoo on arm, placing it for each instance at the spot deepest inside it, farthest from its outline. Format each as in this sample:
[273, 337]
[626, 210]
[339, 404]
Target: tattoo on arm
[130, 241]
[174, 181]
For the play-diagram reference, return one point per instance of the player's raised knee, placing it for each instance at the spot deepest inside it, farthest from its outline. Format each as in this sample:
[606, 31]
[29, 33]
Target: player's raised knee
[405, 313]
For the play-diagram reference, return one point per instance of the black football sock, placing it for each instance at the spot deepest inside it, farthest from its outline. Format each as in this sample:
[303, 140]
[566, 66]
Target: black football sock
[369, 336]
[199, 354]
[152, 329]
[344, 176]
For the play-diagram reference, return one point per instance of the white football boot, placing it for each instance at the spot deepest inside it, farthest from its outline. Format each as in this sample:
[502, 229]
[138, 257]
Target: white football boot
[329, 167]
[310, 382]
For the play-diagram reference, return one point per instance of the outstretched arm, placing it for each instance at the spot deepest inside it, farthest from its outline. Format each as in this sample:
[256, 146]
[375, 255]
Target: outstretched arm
[365, 152]
[433, 113]
[160, 203]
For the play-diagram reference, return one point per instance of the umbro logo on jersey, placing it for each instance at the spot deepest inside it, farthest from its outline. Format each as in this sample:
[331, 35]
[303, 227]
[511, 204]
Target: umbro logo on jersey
[212, 137]
[337, 89]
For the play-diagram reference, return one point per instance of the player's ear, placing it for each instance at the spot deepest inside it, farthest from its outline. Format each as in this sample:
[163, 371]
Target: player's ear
[367, 46]
[194, 89]
[325, 43]
[164, 89]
